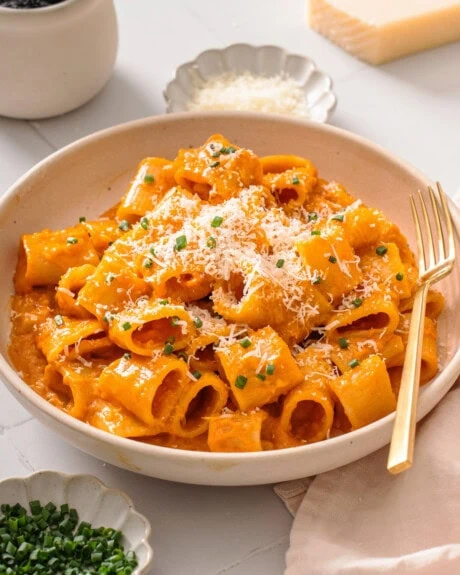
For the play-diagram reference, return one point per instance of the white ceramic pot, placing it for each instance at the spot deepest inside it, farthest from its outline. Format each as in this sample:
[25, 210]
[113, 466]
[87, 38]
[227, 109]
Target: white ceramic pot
[55, 59]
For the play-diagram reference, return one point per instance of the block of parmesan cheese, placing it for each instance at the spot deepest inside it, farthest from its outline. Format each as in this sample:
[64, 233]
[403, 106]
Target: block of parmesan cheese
[378, 31]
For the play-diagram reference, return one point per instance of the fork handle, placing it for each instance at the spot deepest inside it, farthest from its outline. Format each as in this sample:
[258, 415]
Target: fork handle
[403, 438]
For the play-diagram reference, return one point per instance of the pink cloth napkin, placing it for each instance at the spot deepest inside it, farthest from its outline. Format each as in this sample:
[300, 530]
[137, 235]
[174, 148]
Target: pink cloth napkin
[361, 520]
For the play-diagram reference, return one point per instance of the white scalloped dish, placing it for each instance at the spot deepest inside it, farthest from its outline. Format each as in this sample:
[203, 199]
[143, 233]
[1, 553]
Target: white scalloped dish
[94, 502]
[257, 61]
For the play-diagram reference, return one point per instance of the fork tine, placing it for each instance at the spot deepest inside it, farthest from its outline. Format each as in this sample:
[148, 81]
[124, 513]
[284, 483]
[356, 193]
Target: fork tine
[429, 232]
[448, 218]
[437, 219]
[418, 233]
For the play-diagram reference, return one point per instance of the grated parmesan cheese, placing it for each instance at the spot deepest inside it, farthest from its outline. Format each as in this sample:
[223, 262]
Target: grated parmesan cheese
[279, 94]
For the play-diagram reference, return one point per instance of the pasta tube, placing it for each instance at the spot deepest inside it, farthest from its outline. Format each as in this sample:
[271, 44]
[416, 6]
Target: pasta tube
[367, 317]
[281, 162]
[365, 392]
[152, 325]
[58, 335]
[45, 256]
[114, 418]
[68, 289]
[260, 372]
[154, 177]
[202, 397]
[149, 388]
[111, 287]
[236, 432]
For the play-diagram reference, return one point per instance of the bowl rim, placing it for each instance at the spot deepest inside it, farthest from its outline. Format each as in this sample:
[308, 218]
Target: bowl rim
[8, 374]
[103, 487]
[254, 47]
[41, 10]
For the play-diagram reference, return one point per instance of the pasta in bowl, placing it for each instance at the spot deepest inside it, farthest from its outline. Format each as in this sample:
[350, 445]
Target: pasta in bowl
[231, 301]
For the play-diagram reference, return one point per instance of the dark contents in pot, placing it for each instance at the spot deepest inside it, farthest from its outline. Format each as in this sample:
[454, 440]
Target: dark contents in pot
[21, 4]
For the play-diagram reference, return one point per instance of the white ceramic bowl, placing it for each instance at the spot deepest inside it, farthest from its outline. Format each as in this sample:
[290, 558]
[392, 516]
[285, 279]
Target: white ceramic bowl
[91, 174]
[94, 502]
[56, 58]
[261, 61]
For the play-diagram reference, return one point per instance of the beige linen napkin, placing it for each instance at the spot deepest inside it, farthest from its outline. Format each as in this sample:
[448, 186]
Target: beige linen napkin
[360, 520]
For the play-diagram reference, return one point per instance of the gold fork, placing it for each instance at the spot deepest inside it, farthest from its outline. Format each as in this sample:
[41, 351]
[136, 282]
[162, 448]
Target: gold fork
[434, 264]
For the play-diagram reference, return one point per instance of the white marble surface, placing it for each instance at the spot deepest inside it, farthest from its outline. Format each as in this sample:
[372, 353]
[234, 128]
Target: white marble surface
[411, 107]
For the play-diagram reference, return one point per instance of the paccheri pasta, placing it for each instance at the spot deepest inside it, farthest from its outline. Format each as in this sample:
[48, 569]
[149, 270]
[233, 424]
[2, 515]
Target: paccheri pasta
[227, 303]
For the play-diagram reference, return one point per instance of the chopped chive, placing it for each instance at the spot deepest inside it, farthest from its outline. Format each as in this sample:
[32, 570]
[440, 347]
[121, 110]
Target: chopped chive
[312, 217]
[96, 557]
[149, 178]
[227, 151]
[198, 322]
[217, 221]
[124, 225]
[332, 259]
[280, 263]
[357, 302]
[216, 154]
[163, 302]
[127, 355]
[295, 181]
[338, 217]
[353, 363]
[126, 326]
[72, 240]
[108, 317]
[109, 278]
[241, 382]
[145, 223]
[35, 507]
[246, 342]
[343, 343]
[148, 263]
[399, 276]
[261, 376]
[196, 374]
[211, 243]
[316, 232]
[168, 349]
[214, 164]
[175, 320]
[180, 243]
[58, 320]
[82, 219]
[381, 250]
[270, 369]
[152, 251]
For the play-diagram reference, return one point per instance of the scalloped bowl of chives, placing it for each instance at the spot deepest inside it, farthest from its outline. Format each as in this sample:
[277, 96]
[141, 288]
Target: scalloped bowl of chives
[56, 523]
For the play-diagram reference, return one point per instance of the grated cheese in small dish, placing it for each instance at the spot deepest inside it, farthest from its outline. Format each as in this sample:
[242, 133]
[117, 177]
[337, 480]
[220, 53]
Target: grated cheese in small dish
[242, 77]
[279, 94]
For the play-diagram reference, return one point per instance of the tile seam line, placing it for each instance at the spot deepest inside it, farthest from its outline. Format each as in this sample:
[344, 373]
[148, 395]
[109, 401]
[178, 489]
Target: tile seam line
[252, 554]
[5, 428]
[23, 459]
[34, 126]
